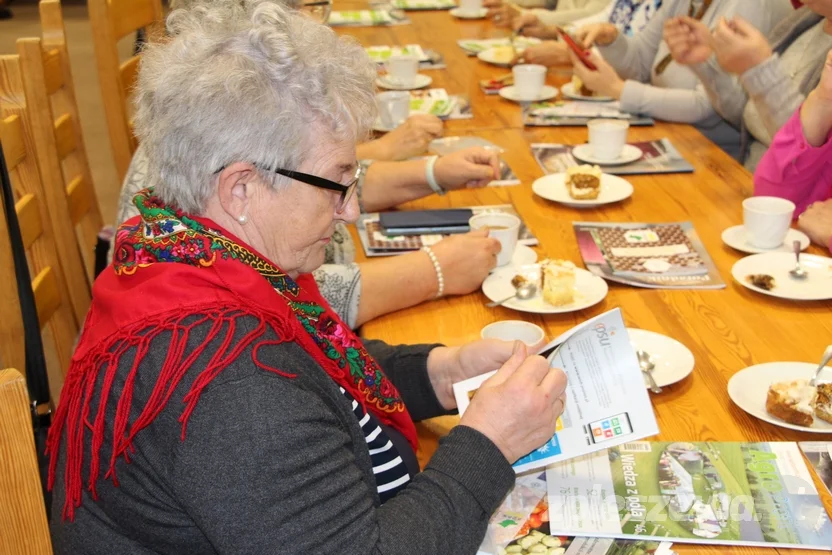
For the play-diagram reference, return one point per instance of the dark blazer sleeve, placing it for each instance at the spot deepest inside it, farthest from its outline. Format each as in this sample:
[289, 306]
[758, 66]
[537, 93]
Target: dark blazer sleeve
[270, 465]
[406, 366]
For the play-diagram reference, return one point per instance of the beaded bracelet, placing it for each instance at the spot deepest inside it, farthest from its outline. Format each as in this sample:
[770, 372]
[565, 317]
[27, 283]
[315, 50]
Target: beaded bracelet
[439, 277]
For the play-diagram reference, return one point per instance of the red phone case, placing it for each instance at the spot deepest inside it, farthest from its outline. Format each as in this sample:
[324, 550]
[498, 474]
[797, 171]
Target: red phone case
[582, 54]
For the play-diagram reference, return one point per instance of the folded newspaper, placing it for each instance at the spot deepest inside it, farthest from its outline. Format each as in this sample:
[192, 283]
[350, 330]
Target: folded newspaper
[578, 113]
[366, 18]
[657, 157]
[428, 59]
[607, 403]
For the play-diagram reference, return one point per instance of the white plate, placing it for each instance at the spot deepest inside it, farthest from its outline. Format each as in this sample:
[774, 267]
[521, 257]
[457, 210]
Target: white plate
[569, 92]
[589, 290]
[674, 362]
[546, 93]
[459, 13]
[817, 287]
[748, 389]
[522, 256]
[420, 82]
[735, 238]
[553, 187]
[491, 56]
[629, 154]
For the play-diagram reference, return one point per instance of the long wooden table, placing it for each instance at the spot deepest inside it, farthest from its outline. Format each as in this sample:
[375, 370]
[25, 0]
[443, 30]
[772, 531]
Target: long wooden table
[727, 330]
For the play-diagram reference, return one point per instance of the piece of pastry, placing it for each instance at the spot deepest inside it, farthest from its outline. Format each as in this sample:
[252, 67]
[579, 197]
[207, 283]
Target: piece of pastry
[823, 402]
[584, 182]
[558, 278]
[579, 87]
[793, 402]
[763, 281]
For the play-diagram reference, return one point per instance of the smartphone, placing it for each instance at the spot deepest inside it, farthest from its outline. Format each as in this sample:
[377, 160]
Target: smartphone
[582, 54]
[610, 428]
[417, 222]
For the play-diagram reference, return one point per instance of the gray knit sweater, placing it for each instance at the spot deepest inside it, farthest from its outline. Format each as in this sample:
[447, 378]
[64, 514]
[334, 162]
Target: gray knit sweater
[278, 465]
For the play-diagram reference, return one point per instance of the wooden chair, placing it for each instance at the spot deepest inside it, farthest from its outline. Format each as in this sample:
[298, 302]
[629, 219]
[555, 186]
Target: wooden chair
[112, 20]
[22, 511]
[24, 92]
[51, 298]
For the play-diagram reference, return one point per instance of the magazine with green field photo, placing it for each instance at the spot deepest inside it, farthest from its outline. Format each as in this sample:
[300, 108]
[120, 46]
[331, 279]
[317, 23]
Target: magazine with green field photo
[691, 492]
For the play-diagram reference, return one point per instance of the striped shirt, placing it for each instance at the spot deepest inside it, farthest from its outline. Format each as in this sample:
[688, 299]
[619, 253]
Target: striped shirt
[391, 470]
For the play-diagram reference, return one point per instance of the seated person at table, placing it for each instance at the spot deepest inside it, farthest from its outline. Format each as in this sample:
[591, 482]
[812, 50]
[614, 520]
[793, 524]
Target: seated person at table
[628, 16]
[798, 165]
[359, 292]
[776, 74]
[215, 403]
[641, 73]
[555, 12]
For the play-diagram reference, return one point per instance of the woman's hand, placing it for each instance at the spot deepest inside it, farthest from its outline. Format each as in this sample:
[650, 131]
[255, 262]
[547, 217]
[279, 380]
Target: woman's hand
[549, 53]
[739, 46]
[518, 407]
[816, 222]
[471, 167]
[504, 14]
[604, 81]
[602, 34]
[528, 25]
[465, 260]
[410, 138]
[689, 40]
[816, 112]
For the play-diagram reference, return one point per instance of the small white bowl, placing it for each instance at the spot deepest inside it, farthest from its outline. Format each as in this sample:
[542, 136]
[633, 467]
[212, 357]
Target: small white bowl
[515, 330]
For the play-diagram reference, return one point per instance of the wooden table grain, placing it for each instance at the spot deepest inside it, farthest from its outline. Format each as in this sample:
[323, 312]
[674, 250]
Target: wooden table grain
[727, 330]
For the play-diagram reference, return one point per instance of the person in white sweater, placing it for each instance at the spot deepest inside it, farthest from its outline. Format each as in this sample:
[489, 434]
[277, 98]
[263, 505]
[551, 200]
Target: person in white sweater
[641, 73]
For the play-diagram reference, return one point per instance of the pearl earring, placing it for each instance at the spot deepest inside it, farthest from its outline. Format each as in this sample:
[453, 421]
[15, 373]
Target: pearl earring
[243, 219]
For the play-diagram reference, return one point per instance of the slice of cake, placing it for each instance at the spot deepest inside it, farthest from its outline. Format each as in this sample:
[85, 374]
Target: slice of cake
[579, 87]
[823, 402]
[584, 182]
[792, 401]
[558, 278]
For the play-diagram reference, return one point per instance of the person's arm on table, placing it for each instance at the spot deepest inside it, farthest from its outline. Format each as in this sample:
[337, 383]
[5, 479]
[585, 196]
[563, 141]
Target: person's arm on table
[398, 282]
[291, 483]
[388, 184]
[816, 222]
[406, 141]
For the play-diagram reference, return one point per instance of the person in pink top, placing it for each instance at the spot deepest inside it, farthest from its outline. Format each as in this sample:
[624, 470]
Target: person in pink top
[798, 164]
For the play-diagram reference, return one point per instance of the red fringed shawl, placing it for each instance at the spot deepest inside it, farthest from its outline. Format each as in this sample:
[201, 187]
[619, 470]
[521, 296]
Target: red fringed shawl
[172, 273]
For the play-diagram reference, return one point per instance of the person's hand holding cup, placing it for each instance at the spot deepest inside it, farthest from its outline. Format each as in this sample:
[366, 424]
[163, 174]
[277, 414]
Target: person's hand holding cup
[505, 228]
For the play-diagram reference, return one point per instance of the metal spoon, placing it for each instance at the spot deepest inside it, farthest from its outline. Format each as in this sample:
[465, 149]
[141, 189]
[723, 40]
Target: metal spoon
[798, 272]
[827, 356]
[525, 291]
[647, 365]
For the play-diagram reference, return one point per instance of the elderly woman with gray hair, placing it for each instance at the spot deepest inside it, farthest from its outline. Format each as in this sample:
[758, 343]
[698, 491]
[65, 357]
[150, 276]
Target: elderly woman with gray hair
[215, 402]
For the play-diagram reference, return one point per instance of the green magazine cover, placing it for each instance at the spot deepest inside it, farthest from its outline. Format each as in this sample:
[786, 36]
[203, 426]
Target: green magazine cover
[695, 492]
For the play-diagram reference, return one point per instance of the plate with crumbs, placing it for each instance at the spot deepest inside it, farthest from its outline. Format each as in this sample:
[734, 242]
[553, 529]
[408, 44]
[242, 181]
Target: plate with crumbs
[588, 290]
[768, 273]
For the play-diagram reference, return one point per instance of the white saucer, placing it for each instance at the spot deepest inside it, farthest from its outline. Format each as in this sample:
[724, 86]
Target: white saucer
[748, 389]
[569, 92]
[817, 287]
[522, 256]
[553, 187]
[674, 362]
[589, 290]
[546, 93]
[735, 238]
[629, 154]
[420, 82]
[459, 13]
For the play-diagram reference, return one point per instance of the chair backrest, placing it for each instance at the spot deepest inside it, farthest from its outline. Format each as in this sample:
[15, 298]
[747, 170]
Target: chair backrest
[22, 511]
[24, 92]
[112, 20]
[51, 297]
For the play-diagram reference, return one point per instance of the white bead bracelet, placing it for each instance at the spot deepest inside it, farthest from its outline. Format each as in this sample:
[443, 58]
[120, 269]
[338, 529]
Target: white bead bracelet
[439, 277]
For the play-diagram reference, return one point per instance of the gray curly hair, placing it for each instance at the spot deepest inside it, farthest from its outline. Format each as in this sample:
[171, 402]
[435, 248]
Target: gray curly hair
[245, 81]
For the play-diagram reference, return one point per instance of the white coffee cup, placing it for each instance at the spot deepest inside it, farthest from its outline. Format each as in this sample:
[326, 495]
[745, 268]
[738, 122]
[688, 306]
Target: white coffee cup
[470, 7]
[767, 220]
[529, 80]
[393, 107]
[402, 69]
[607, 138]
[514, 330]
[505, 228]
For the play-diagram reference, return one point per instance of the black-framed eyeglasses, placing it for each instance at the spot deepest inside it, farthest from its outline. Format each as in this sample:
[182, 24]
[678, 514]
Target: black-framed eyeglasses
[321, 182]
